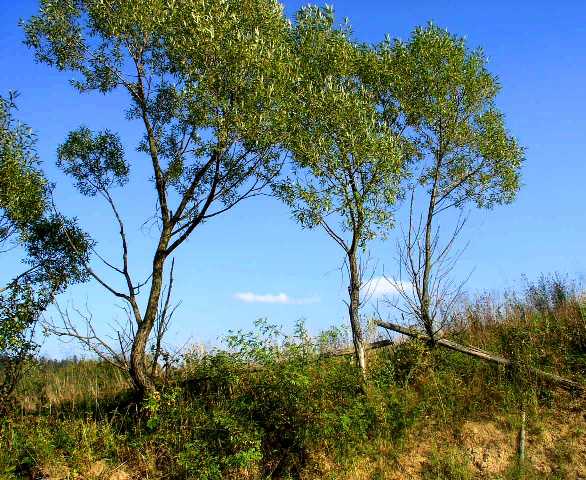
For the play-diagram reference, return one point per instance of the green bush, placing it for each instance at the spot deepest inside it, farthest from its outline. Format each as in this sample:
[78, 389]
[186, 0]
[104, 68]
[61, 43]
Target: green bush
[279, 399]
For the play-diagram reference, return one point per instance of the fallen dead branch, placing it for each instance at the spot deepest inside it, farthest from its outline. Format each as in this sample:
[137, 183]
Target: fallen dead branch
[562, 382]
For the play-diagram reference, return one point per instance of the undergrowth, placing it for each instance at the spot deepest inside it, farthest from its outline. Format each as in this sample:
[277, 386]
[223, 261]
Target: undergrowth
[277, 406]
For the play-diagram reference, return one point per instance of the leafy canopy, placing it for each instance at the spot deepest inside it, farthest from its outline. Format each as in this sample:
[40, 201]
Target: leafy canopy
[347, 164]
[210, 79]
[442, 96]
[22, 186]
[96, 162]
[53, 245]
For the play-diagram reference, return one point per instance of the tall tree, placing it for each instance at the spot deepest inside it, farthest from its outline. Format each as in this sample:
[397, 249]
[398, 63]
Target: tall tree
[441, 96]
[207, 81]
[347, 165]
[45, 239]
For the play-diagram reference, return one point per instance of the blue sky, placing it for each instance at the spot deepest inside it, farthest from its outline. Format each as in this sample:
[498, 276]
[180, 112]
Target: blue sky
[536, 49]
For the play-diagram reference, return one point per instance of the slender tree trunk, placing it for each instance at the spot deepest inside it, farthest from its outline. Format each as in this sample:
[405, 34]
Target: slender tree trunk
[141, 380]
[354, 310]
[426, 316]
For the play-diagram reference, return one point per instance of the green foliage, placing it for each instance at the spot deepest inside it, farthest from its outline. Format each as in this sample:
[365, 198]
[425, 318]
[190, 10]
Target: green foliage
[48, 443]
[211, 83]
[407, 361]
[23, 188]
[243, 92]
[95, 163]
[56, 252]
[440, 97]
[347, 166]
[295, 400]
[443, 95]
[231, 108]
[19, 310]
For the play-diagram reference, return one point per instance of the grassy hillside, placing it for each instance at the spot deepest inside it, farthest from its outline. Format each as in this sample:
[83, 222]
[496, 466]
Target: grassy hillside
[273, 406]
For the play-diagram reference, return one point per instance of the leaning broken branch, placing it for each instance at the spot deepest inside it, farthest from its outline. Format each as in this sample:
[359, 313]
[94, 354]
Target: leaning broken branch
[562, 382]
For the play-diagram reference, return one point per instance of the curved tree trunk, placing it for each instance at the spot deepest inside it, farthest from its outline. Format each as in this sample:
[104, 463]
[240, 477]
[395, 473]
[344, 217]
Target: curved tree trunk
[139, 373]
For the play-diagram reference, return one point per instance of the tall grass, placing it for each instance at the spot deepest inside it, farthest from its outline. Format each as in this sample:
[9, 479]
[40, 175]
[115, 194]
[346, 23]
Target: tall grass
[69, 385]
[273, 406]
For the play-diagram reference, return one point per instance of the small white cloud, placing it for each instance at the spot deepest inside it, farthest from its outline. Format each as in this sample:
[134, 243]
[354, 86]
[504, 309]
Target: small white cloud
[282, 298]
[381, 286]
